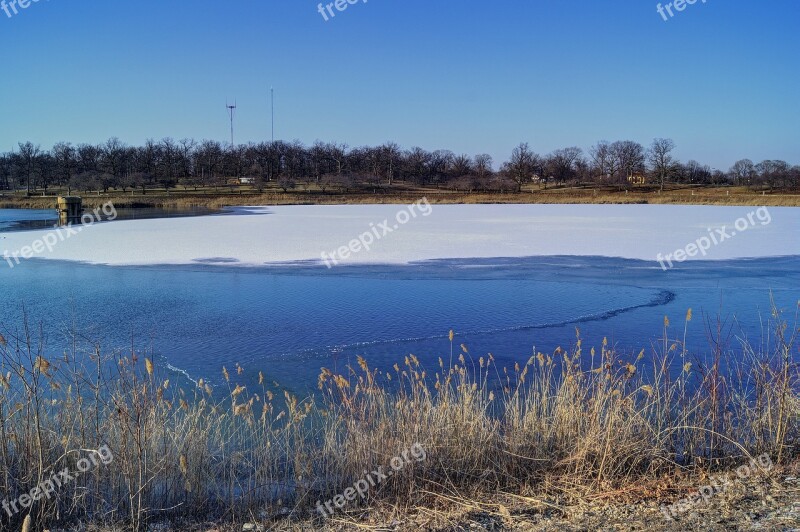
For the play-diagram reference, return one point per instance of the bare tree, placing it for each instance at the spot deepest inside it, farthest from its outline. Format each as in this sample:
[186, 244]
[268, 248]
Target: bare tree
[28, 158]
[661, 160]
[773, 173]
[392, 154]
[317, 160]
[5, 172]
[462, 165]
[743, 171]
[696, 173]
[440, 165]
[630, 157]
[794, 177]
[523, 165]
[186, 150]
[605, 159]
[286, 182]
[112, 161]
[483, 165]
[561, 164]
[66, 162]
[417, 165]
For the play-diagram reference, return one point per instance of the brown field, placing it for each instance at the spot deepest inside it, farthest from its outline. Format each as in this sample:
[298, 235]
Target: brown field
[216, 198]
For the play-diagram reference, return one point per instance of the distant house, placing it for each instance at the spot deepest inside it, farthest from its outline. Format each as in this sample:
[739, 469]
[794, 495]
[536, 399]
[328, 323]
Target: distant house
[241, 181]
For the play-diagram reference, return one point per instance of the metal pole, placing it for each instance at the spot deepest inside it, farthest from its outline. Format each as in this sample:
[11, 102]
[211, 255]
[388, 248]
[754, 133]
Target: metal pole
[272, 103]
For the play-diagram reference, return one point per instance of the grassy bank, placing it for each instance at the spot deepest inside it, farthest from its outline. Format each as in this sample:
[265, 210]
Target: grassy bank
[574, 425]
[216, 198]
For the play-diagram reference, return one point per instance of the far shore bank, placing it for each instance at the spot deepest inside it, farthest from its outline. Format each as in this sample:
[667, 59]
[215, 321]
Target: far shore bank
[241, 196]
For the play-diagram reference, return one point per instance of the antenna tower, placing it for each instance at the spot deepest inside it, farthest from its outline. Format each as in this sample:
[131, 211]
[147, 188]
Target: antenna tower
[232, 112]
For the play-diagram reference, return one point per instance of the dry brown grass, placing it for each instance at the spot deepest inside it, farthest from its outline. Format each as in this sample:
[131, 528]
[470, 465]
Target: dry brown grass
[562, 426]
[215, 199]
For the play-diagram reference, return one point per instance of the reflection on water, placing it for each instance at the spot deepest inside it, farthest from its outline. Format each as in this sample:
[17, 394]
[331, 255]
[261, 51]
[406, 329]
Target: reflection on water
[32, 219]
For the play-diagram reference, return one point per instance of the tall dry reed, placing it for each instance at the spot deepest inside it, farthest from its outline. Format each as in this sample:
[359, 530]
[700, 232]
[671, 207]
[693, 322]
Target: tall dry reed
[570, 422]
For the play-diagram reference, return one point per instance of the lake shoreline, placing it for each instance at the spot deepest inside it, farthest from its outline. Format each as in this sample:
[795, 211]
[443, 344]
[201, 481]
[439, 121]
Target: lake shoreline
[676, 195]
[455, 450]
[768, 502]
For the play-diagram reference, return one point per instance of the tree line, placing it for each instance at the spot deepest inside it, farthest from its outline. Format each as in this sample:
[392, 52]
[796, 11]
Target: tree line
[169, 164]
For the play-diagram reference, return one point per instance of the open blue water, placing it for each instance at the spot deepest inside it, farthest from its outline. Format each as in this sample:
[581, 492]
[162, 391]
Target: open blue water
[28, 219]
[18, 219]
[289, 322]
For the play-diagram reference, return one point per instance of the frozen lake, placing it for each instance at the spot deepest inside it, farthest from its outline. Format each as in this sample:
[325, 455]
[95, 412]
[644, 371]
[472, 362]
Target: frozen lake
[289, 234]
[251, 288]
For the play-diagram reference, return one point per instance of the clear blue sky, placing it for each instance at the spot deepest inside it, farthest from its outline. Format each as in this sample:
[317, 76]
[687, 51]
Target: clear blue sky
[721, 78]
